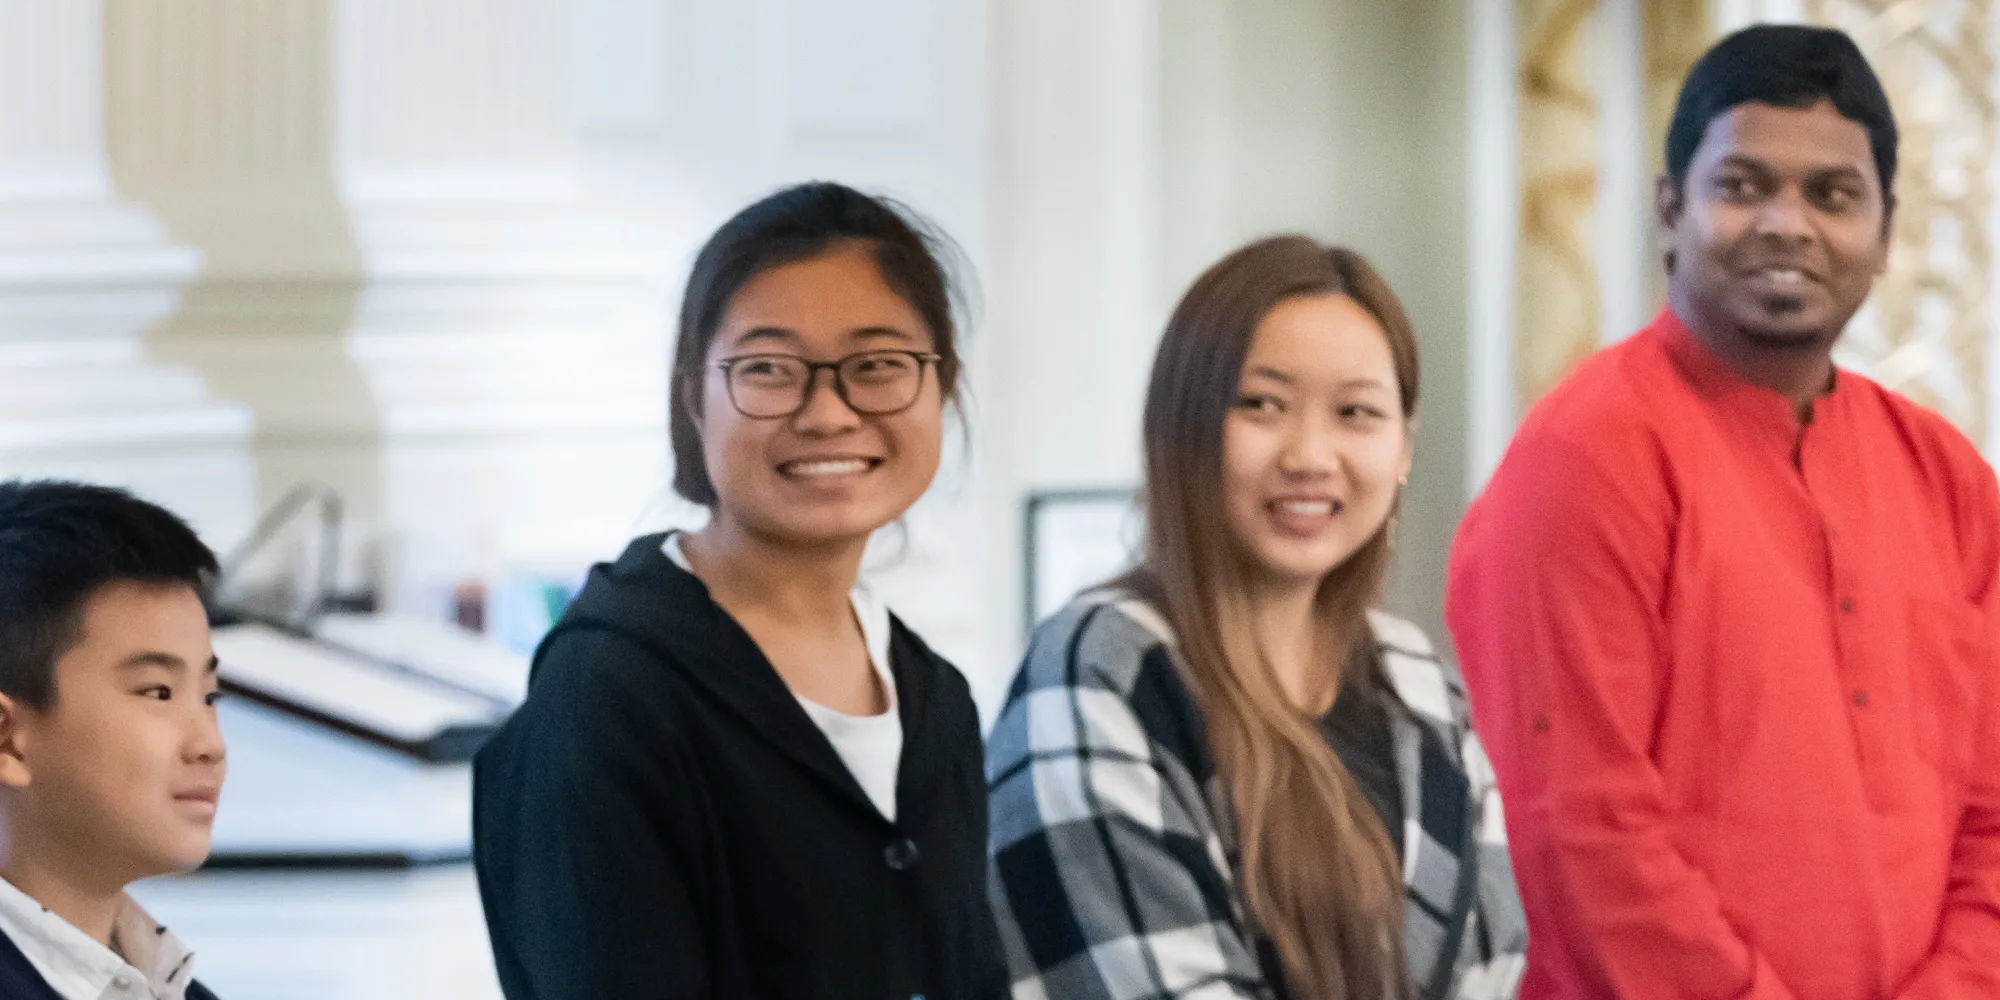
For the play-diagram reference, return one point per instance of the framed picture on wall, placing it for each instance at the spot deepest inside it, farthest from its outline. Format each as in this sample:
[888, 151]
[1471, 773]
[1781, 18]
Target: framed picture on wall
[1074, 540]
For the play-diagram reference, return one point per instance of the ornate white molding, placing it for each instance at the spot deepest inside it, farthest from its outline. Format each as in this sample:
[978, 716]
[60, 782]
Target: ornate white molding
[387, 196]
[1929, 325]
[51, 135]
[83, 275]
[452, 100]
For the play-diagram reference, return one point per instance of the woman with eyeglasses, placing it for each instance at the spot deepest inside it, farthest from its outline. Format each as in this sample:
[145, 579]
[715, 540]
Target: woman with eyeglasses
[736, 773]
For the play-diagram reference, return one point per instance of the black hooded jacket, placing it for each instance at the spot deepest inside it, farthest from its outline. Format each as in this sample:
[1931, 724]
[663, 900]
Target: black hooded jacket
[662, 821]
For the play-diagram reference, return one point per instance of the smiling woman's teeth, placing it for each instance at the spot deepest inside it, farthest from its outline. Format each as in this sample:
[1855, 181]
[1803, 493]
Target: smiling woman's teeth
[840, 467]
[1306, 507]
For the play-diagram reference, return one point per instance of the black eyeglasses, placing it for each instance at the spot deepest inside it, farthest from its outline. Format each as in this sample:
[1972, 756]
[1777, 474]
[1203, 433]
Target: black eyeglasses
[872, 383]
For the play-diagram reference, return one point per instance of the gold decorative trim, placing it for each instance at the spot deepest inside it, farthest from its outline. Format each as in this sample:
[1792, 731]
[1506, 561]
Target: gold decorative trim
[1928, 328]
[1556, 307]
[1677, 33]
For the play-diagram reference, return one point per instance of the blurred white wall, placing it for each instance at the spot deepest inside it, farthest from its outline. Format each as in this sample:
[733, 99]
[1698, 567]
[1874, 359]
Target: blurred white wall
[1347, 121]
[428, 251]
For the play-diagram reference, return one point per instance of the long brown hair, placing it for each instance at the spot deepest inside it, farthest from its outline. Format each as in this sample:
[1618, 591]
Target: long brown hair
[1318, 871]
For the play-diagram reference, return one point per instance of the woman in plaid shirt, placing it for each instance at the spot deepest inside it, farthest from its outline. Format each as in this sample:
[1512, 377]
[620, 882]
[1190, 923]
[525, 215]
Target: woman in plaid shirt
[1224, 776]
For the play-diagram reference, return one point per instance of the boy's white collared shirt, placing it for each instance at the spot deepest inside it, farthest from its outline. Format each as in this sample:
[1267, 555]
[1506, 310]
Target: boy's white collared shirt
[156, 966]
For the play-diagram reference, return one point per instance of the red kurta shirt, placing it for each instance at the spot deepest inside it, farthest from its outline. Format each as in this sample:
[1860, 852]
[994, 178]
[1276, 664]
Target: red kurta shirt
[1736, 674]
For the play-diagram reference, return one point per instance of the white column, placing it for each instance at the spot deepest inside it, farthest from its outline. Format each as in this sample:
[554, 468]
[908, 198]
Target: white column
[1991, 446]
[1076, 269]
[83, 277]
[407, 281]
[1074, 298]
[1624, 196]
[455, 99]
[51, 134]
[1495, 226]
[512, 321]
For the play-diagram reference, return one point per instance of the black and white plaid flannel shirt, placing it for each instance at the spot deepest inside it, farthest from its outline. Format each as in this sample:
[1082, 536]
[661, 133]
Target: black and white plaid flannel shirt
[1112, 874]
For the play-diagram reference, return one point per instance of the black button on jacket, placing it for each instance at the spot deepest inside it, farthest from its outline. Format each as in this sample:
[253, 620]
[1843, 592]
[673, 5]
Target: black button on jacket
[662, 821]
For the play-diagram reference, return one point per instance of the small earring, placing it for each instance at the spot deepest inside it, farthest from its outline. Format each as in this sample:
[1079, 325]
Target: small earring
[1403, 480]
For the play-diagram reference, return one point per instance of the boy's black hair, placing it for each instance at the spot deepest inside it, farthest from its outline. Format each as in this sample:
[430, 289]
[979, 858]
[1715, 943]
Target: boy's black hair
[59, 543]
[1791, 66]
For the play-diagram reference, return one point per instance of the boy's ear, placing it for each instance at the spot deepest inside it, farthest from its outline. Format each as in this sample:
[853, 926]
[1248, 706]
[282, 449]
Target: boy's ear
[13, 758]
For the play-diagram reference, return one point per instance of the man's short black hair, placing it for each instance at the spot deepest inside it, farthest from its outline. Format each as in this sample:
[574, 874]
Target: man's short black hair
[59, 543]
[1791, 66]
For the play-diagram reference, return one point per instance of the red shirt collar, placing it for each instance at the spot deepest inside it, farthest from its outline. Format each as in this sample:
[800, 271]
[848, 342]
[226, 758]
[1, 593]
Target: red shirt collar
[1714, 381]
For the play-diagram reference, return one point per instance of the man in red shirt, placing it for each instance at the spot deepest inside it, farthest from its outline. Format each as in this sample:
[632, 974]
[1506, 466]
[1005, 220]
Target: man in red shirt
[1729, 616]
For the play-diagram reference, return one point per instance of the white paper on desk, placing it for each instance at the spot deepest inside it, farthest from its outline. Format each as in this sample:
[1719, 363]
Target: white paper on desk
[298, 788]
[343, 685]
[447, 652]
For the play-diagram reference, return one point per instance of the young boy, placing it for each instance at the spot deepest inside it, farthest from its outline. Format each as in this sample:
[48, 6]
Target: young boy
[110, 759]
